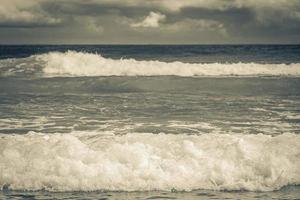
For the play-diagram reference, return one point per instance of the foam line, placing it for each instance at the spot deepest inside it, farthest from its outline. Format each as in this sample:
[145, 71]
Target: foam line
[87, 161]
[72, 63]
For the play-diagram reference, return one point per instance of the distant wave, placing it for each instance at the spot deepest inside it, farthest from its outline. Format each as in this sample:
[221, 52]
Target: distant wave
[72, 63]
[87, 161]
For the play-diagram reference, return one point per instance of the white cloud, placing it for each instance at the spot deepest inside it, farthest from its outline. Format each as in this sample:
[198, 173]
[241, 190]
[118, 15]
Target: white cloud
[153, 20]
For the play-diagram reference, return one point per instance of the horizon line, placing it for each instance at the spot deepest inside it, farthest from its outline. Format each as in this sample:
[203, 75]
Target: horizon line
[132, 44]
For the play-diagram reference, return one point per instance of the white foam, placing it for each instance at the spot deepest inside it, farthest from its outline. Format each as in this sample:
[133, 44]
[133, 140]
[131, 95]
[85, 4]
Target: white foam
[94, 161]
[73, 63]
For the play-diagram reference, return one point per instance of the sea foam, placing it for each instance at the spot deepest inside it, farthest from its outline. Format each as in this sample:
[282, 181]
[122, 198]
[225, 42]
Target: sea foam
[72, 63]
[87, 161]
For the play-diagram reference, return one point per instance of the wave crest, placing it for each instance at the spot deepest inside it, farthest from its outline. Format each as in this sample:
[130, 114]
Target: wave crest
[72, 63]
[89, 161]
[86, 64]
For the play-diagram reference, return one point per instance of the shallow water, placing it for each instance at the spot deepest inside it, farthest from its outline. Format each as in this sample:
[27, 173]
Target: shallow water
[285, 193]
[177, 122]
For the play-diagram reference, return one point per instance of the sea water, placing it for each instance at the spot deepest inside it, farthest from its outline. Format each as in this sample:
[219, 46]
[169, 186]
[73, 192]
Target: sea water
[150, 122]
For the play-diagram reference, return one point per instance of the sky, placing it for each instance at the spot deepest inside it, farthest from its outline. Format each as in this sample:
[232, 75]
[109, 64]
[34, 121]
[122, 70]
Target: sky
[149, 21]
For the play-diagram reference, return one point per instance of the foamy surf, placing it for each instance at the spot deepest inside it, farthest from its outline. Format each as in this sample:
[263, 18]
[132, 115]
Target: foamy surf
[72, 63]
[88, 161]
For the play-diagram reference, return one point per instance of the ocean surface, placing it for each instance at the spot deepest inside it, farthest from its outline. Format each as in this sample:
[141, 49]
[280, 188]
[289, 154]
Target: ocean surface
[150, 122]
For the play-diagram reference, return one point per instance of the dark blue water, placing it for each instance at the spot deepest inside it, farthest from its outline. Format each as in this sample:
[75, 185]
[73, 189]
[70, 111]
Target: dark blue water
[185, 53]
[150, 122]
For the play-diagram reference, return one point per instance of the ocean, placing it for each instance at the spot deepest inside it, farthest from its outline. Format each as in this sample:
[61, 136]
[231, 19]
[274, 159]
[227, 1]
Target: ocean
[150, 122]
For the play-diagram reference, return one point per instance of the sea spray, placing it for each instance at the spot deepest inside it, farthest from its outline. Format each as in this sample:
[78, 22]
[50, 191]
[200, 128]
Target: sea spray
[89, 161]
[72, 63]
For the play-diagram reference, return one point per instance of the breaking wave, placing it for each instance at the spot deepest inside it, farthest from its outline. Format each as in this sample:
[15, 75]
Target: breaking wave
[72, 63]
[87, 161]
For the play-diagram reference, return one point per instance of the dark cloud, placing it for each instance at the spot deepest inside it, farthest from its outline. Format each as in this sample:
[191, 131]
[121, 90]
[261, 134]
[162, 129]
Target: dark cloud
[149, 21]
[16, 14]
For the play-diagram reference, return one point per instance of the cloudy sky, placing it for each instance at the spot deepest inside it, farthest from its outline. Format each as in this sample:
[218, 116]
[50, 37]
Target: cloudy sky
[149, 21]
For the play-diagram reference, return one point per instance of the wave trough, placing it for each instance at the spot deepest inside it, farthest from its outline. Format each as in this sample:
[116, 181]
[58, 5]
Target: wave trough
[87, 161]
[72, 63]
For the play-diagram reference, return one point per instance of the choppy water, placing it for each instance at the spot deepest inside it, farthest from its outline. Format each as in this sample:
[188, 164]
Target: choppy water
[150, 122]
